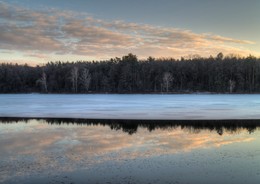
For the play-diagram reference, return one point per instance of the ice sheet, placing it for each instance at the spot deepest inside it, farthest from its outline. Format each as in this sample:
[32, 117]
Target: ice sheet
[115, 106]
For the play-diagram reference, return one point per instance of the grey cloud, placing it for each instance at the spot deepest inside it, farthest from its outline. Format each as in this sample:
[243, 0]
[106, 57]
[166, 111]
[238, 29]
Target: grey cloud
[24, 38]
[61, 33]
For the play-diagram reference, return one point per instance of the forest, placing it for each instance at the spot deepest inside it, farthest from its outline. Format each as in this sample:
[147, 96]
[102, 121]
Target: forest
[132, 126]
[220, 74]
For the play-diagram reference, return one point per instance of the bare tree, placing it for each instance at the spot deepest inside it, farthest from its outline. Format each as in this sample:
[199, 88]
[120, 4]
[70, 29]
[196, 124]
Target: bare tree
[85, 79]
[167, 79]
[43, 82]
[74, 79]
[232, 85]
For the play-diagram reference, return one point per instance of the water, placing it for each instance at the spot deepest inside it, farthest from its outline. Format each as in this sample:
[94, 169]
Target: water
[105, 148]
[187, 106]
[66, 151]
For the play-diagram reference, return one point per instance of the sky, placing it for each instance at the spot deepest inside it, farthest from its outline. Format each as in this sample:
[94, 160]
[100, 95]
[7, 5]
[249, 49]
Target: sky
[36, 32]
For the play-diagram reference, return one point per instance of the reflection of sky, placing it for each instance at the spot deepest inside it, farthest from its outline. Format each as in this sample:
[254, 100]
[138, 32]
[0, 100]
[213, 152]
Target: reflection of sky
[36, 147]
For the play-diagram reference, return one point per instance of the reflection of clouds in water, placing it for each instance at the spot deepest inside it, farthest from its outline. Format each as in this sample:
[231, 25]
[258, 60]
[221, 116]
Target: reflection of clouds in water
[41, 148]
[182, 141]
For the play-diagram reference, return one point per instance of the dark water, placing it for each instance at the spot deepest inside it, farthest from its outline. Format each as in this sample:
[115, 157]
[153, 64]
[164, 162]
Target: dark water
[107, 151]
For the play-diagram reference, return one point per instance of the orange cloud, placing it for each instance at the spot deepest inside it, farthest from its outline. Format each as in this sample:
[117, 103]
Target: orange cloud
[58, 33]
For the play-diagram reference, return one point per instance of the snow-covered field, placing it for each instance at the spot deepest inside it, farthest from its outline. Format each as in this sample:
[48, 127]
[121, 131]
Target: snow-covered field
[109, 106]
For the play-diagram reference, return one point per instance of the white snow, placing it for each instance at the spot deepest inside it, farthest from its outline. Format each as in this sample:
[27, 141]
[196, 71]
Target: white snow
[109, 106]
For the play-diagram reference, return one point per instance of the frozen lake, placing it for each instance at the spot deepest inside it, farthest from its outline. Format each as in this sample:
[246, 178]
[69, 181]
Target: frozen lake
[109, 106]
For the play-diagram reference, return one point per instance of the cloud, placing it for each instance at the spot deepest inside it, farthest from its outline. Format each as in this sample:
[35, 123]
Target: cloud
[37, 55]
[27, 38]
[59, 33]
[224, 39]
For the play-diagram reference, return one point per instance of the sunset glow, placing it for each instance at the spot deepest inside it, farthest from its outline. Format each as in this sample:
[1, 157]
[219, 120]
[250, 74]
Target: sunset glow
[38, 34]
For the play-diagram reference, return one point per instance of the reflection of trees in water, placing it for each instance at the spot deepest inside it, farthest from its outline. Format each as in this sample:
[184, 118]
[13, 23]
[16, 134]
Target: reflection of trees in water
[131, 126]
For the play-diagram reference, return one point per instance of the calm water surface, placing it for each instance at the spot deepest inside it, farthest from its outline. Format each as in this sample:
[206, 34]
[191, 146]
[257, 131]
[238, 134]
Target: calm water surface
[56, 151]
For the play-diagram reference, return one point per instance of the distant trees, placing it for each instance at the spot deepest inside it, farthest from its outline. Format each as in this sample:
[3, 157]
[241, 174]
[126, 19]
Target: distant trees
[221, 74]
[220, 56]
[167, 80]
[74, 79]
[231, 86]
[85, 79]
[43, 82]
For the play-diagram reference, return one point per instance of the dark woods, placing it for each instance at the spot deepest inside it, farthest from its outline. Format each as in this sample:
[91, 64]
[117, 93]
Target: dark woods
[130, 75]
[132, 126]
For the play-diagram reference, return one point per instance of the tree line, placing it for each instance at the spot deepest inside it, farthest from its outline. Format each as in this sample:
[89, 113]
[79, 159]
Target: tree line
[128, 74]
[132, 126]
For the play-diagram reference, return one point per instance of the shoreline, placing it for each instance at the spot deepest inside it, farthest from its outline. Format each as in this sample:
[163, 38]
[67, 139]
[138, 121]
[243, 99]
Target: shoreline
[131, 126]
[135, 121]
[140, 93]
